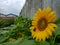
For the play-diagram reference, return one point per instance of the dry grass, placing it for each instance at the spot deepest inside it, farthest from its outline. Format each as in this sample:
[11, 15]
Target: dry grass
[7, 18]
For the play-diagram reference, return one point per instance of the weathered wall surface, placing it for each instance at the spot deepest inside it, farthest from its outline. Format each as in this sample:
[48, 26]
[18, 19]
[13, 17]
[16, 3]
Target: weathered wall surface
[32, 5]
[30, 8]
[56, 7]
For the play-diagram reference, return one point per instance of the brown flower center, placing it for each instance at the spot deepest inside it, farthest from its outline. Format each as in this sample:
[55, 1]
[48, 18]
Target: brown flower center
[42, 24]
[20, 35]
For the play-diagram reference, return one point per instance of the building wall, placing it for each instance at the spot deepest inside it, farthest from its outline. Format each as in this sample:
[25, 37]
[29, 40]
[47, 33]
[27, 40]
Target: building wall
[30, 8]
[32, 5]
[54, 4]
[56, 7]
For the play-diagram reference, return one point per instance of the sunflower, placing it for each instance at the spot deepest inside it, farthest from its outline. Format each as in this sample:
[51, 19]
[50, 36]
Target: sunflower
[20, 35]
[42, 26]
[11, 39]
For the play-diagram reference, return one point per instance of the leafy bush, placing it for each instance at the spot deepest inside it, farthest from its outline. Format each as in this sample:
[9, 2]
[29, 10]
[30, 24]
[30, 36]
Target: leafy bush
[13, 36]
[6, 22]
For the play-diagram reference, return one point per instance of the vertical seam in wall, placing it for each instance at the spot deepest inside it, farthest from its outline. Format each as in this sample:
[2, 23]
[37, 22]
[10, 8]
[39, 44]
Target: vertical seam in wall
[41, 3]
[52, 4]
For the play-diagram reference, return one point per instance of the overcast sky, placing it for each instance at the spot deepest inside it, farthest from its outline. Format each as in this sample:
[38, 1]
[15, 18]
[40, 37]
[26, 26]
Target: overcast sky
[11, 6]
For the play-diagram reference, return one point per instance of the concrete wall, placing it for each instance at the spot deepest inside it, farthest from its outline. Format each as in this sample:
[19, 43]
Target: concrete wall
[56, 7]
[30, 8]
[54, 4]
[32, 5]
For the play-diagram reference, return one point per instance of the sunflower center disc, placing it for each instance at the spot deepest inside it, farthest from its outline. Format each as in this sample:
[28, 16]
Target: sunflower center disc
[42, 24]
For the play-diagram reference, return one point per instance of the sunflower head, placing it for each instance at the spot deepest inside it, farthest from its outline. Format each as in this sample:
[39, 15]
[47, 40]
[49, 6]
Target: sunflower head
[11, 39]
[20, 35]
[42, 26]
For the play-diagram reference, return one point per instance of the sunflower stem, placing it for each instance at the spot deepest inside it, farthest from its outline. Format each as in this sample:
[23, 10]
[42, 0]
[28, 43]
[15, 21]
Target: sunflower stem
[54, 40]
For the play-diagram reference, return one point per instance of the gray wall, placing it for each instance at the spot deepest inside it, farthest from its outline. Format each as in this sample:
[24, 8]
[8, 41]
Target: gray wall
[32, 5]
[56, 7]
[54, 4]
[30, 8]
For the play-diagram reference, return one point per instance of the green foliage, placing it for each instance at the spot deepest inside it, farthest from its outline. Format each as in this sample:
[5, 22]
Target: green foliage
[24, 41]
[5, 23]
[28, 42]
[21, 26]
[44, 43]
[16, 42]
[57, 21]
[57, 31]
[57, 35]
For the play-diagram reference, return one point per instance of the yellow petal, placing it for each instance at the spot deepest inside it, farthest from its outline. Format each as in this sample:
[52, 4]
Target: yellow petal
[39, 36]
[50, 14]
[44, 39]
[34, 36]
[46, 34]
[51, 26]
[46, 11]
[34, 23]
[35, 18]
[37, 40]
[31, 27]
[52, 18]
[54, 25]
[37, 15]
[32, 33]
[49, 32]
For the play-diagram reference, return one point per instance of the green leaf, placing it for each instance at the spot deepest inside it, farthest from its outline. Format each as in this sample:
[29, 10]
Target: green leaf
[57, 31]
[20, 42]
[57, 21]
[32, 42]
[3, 31]
[44, 43]
[3, 39]
[57, 43]
[28, 42]
[16, 42]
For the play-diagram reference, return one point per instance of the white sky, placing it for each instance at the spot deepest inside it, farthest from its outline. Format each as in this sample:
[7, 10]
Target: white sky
[11, 6]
